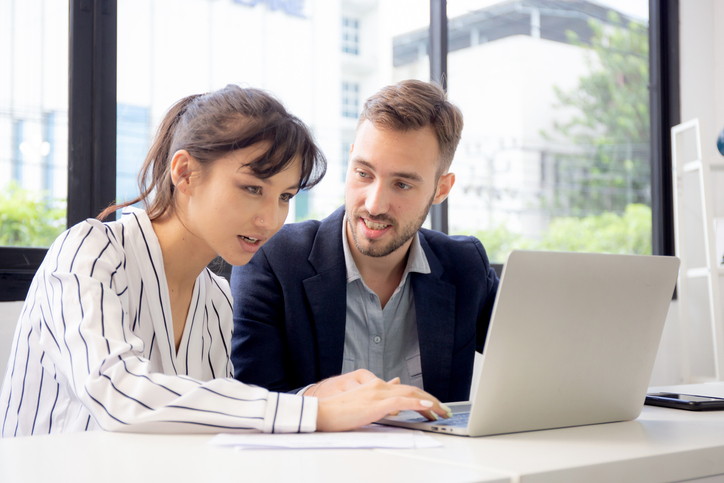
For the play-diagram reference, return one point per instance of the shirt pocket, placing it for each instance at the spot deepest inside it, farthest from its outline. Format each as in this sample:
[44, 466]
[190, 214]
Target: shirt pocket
[414, 370]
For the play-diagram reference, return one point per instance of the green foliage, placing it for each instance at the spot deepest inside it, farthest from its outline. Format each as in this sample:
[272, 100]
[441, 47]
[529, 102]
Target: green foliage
[611, 121]
[604, 233]
[28, 220]
[499, 241]
[613, 100]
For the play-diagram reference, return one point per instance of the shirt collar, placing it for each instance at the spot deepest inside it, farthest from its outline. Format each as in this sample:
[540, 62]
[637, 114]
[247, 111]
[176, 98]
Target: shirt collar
[416, 260]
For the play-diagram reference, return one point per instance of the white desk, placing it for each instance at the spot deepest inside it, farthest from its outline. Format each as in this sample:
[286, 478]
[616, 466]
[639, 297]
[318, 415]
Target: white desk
[662, 445]
[96, 457]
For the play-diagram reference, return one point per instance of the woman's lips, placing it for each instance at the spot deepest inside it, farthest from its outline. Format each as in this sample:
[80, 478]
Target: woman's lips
[249, 244]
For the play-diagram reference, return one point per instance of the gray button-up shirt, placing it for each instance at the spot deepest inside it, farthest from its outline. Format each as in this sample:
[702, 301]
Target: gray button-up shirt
[383, 341]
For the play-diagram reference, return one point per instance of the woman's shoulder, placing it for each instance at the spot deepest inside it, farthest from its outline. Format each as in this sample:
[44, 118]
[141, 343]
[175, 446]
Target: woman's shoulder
[89, 242]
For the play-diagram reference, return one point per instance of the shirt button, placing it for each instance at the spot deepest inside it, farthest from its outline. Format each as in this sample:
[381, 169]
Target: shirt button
[377, 339]
[372, 297]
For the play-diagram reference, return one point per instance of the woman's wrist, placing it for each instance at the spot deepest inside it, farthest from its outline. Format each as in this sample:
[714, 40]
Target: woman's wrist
[317, 386]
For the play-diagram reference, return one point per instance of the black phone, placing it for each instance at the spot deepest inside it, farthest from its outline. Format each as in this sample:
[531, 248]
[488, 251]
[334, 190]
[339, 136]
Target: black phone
[684, 401]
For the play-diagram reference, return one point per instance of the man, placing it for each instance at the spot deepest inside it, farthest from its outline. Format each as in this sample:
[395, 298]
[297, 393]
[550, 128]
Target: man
[367, 287]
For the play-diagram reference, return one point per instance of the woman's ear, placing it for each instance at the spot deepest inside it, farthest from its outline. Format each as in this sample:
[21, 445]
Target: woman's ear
[182, 165]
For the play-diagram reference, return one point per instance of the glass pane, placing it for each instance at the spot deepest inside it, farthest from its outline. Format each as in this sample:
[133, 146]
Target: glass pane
[321, 58]
[33, 121]
[555, 150]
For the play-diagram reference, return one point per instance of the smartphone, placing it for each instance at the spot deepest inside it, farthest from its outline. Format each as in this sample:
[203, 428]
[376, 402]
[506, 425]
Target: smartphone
[684, 401]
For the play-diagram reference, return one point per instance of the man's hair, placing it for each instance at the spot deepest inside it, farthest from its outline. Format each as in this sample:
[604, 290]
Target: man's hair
[412, 105]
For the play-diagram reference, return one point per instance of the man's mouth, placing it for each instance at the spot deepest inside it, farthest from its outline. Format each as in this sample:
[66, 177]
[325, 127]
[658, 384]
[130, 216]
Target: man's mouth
[373, 225]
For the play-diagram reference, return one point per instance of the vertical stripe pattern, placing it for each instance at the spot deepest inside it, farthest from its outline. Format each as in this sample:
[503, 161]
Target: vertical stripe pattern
[94, 347]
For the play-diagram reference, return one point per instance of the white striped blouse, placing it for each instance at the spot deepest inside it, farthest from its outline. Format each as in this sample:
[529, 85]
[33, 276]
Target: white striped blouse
[94, 347]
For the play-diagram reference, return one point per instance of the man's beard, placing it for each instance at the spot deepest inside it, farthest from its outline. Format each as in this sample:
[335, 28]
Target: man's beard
[374, 249]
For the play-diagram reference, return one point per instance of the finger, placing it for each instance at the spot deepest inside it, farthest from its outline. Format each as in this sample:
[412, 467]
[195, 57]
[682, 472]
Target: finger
[436, 408]
[430, 415]
[423, 406]
[430, 402]
[396, 380]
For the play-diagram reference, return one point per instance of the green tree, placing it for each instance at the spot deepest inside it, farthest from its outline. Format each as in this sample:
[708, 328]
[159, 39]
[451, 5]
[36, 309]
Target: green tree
[26, 219]
[611, 121]
[605, 233]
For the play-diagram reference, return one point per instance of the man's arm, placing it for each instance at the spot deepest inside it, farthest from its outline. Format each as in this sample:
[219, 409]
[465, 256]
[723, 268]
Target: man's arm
[487, 298]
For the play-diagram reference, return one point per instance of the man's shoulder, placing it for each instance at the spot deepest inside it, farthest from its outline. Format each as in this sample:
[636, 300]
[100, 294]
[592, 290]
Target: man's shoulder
[453, 248]
[297, 232]
[439, 239]
[296, 238]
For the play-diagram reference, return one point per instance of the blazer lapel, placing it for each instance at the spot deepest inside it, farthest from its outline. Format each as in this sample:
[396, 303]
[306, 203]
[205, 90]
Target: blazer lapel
[435, 310]
[327, 294]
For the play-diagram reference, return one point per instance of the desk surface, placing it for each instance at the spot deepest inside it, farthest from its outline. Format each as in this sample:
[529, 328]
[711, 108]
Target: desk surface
[97, 456]
[661, 445]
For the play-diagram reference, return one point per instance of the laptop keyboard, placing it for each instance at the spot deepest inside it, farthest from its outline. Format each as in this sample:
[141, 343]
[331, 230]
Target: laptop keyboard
[459, 420]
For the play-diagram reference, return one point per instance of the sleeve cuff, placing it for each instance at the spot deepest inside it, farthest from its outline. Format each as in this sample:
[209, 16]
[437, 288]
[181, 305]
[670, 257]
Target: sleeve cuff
[302, 390]
[290, 413]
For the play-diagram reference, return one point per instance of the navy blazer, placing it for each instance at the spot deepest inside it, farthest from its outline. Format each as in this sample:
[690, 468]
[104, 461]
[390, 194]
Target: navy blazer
[290, 305]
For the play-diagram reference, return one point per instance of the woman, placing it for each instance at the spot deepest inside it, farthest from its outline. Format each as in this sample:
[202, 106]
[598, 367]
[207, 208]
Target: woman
[125, 329]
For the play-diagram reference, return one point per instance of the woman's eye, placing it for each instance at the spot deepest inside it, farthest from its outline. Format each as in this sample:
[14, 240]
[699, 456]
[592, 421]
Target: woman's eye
[255, 190]
[285, 197]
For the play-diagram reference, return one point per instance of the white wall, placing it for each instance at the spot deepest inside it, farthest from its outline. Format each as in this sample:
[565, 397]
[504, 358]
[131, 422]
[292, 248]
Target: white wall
[702, 97]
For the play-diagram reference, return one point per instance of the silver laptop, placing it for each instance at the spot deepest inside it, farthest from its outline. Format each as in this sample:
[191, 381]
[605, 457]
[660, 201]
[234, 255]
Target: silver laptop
[572, 341]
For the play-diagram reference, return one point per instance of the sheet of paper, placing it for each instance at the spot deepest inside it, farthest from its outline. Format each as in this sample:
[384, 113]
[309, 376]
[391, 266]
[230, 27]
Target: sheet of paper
[364, 438]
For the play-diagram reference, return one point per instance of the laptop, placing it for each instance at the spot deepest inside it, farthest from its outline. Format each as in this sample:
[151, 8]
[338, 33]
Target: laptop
[572, 341]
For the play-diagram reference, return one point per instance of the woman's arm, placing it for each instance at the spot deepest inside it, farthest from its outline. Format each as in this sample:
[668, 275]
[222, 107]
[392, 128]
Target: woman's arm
[75, 344]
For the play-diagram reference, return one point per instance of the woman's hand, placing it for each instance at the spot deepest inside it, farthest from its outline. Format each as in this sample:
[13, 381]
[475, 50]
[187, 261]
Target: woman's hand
[365, 402]
[339, 384]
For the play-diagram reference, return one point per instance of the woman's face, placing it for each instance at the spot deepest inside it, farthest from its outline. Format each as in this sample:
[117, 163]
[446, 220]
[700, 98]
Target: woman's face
[233, 212]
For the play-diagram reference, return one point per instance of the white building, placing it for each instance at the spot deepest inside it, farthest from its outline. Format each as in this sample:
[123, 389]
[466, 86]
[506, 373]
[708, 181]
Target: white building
[322, 58]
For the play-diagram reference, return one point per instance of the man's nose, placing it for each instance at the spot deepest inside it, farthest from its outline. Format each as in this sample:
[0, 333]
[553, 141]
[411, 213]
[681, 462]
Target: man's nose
[377, 201]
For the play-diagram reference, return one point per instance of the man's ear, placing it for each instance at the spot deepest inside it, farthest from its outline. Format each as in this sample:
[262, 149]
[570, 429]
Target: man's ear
[444, 185]
[182, 165]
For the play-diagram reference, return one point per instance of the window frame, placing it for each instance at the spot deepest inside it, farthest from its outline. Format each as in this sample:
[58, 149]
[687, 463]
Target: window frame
[92, 123]
[91, 133]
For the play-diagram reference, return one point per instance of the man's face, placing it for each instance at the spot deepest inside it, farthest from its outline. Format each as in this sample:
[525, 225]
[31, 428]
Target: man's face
[391, 184]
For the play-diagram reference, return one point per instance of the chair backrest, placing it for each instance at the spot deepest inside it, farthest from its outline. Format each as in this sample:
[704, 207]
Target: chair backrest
[9, 314]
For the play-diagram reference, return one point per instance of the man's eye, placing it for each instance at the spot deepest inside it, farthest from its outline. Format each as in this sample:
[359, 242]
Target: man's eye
[362, 175]
[404, 186]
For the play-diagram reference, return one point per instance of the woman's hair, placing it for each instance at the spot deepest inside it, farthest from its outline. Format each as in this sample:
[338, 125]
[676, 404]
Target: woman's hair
[412, 105]
[212, 125]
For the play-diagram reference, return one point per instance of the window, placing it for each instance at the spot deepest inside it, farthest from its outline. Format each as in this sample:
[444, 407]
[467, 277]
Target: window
[134, 129]
[344, 155]
[33, 122]
[555, 154]
[350, 99]
[350, 35]
[34, 68]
